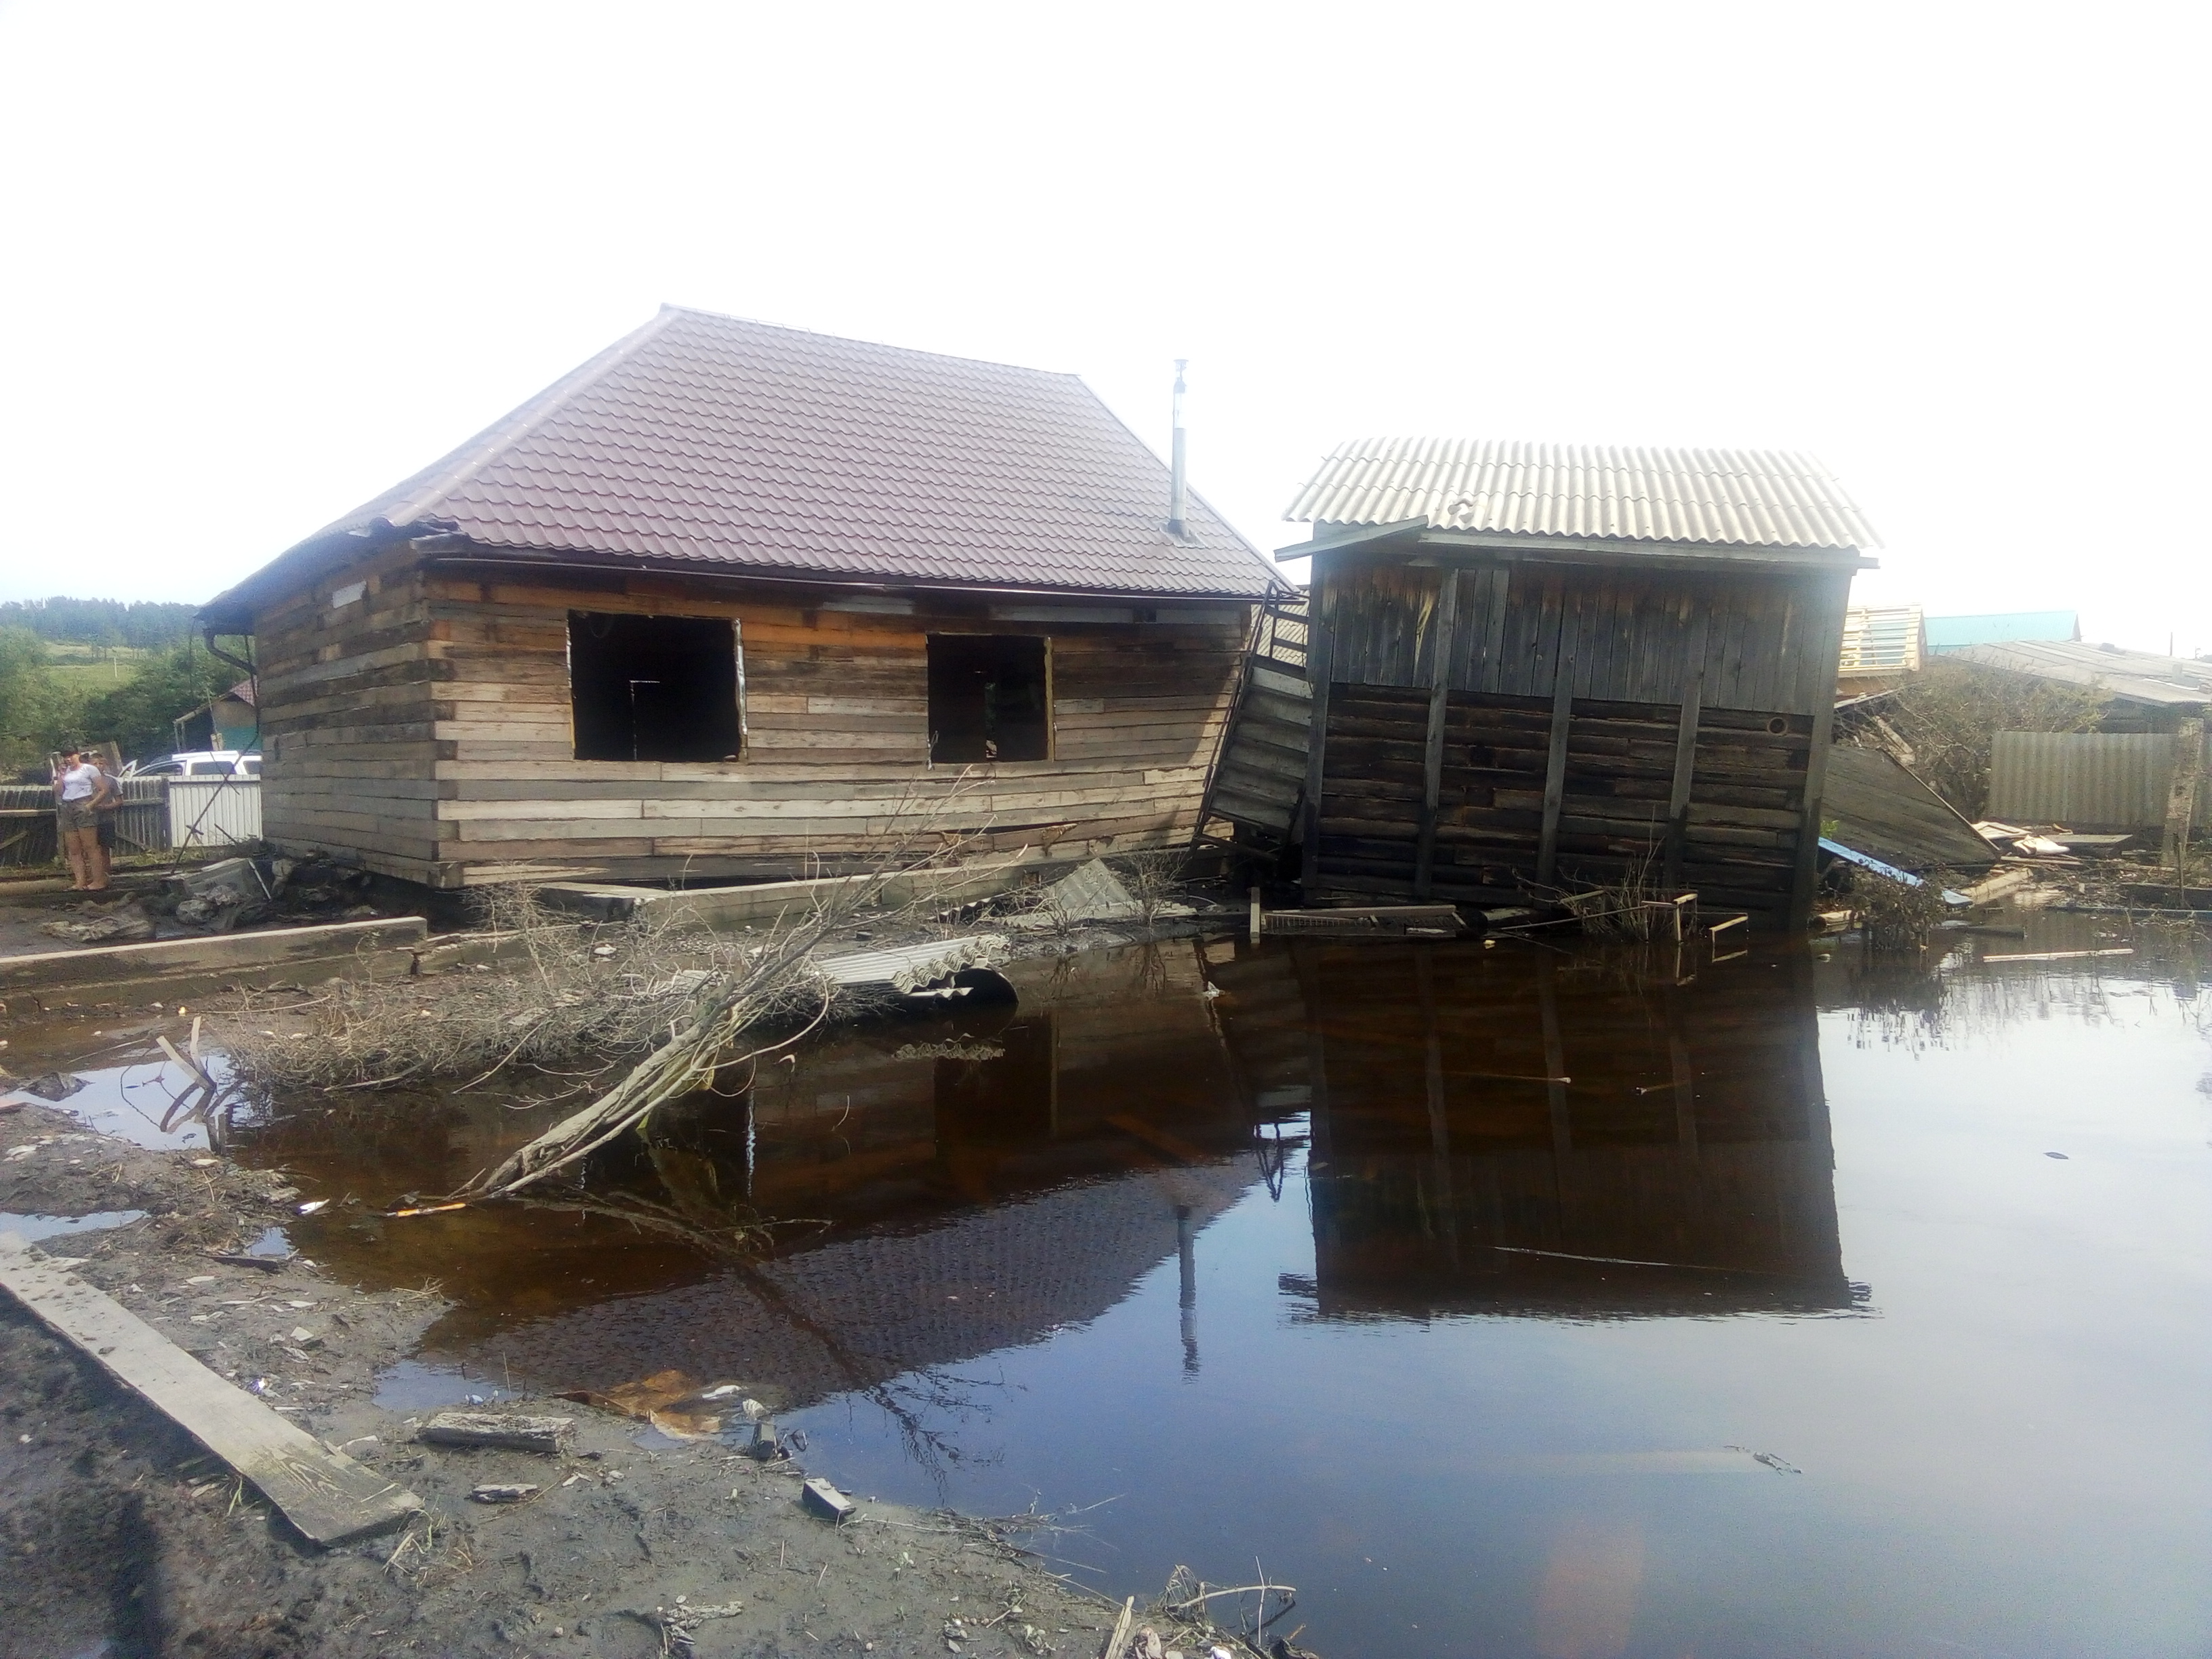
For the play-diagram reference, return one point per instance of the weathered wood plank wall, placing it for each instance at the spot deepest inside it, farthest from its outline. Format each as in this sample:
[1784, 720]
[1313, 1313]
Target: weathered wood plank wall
[1594, 721]
[429, 734]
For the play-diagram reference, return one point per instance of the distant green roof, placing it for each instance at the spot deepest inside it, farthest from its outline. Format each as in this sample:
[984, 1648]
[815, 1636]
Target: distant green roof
[1950, 633]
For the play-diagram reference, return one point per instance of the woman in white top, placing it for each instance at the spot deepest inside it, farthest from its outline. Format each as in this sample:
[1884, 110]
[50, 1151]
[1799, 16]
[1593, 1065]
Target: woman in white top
[80, 788]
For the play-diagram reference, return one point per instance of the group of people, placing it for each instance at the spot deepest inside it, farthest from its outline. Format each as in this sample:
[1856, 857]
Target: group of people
[84, 788]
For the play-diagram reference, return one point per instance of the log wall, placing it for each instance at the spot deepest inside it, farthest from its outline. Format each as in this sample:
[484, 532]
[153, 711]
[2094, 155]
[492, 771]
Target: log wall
[425, 730]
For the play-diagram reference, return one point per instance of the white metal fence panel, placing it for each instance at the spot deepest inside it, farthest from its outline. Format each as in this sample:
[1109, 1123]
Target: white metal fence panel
[214, 811]
[2085, 780]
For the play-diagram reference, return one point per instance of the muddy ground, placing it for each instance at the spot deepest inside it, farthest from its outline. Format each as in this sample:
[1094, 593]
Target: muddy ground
[123, 1536]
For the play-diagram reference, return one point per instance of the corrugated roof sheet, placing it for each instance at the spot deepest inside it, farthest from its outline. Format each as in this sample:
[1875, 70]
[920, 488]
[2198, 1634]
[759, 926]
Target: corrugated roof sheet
[708, 439]
[2138, 675]
[1756, 498]
[1949, 633]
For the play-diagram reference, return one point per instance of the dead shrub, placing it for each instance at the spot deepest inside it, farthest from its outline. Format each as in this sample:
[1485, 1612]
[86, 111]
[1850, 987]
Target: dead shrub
[1951, 712]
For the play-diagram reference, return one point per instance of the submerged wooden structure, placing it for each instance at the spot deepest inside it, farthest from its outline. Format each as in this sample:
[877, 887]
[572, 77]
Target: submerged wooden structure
[733, 601]
[1548, 668]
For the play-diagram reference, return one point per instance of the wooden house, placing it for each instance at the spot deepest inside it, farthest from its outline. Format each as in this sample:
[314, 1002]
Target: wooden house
[1563, 668]
[737, 601]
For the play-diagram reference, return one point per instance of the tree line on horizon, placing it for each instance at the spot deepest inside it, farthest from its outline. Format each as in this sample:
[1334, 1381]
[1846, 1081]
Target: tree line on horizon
[44, 705]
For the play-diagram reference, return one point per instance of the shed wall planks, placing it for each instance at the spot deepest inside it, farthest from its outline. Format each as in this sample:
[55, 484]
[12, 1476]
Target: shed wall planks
[1755, 650]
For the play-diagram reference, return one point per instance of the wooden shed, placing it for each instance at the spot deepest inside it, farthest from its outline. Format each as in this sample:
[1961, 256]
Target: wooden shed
[734, 601]
[1560, 668]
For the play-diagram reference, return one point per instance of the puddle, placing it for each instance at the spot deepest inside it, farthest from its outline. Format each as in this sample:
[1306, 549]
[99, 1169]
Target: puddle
[1445, 1281]
[33, 1228]
[145, 1102]
[414, 1385]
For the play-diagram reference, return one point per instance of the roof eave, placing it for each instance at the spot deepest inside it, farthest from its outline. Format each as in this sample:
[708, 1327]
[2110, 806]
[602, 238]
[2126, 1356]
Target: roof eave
[1416, 535]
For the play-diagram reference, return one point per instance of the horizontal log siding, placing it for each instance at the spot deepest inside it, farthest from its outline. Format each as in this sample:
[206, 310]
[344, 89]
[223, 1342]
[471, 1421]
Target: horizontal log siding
[349, 714]
[837, 743]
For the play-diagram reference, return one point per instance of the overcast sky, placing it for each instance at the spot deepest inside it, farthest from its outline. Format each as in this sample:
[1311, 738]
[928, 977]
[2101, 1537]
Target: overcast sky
[261, 262]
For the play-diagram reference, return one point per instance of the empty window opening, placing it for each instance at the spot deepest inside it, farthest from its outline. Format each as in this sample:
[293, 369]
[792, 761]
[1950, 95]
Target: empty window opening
[654, 688]
[990, 697]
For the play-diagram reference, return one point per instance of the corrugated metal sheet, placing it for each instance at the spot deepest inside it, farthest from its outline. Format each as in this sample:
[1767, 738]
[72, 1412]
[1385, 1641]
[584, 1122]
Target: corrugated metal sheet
[214, 811]
[1886, 641]
[2167, 681]
[1759, 498]
[2085, 780]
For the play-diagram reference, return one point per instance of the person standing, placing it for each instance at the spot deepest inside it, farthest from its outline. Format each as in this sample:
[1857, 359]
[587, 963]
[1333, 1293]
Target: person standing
[79, 787]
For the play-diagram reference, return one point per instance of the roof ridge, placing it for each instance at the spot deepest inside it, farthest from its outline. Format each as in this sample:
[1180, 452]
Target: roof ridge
[511, 428]
[878, 345]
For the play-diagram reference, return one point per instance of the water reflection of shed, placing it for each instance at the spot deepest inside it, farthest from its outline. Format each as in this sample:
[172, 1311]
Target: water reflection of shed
[1563, 665]
[1586, 1138]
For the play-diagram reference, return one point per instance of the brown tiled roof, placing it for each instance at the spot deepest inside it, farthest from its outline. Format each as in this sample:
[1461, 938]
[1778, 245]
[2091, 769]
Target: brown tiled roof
[705, 440]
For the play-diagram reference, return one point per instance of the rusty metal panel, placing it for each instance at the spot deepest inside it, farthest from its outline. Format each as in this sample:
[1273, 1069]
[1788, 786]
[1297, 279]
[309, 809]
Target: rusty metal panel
[2084, 779]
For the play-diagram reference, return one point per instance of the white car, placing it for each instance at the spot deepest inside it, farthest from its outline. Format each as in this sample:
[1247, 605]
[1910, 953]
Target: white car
[198, 764]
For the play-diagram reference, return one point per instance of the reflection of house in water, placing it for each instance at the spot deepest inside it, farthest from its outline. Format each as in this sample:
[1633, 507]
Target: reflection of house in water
[982, 1185]
[1574, 1139]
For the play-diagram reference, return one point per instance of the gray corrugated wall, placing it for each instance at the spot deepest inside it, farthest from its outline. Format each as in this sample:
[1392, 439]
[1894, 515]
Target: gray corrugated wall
[2085, 780]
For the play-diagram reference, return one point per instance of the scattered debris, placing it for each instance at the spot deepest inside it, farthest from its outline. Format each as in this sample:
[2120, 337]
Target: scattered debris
[501, 1493]
[1394, 921]
[54, 1085]
[825, 1500]
[513, 1432]
[672, 1402]
[118, 922]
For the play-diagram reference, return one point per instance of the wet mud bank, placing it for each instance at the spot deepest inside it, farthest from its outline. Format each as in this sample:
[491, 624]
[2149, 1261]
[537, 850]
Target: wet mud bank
[122, 1535]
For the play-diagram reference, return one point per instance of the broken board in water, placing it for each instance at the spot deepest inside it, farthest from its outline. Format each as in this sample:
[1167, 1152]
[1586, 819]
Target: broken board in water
[326, 1494]
[1367, 921]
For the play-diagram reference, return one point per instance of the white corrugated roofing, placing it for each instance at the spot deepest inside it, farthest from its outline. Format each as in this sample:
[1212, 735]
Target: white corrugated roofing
[1757, 498]
[2138, 675]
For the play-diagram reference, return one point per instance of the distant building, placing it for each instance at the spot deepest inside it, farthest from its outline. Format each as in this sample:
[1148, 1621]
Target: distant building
[2144, 692]
[1948, 634]
[1881, 646]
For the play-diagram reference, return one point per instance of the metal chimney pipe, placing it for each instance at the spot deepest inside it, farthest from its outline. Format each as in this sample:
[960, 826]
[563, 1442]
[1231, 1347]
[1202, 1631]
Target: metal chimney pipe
[1179, 475]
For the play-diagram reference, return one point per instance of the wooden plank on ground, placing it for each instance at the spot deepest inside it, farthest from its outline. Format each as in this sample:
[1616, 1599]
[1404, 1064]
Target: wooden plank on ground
[326, 1494]
[211, 954]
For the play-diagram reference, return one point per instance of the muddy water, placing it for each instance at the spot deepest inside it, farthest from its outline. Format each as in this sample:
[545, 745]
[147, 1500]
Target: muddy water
[1521, 1301]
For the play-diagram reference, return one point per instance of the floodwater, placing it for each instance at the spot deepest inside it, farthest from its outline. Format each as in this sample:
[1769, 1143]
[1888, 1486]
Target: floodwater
[1526, 1301]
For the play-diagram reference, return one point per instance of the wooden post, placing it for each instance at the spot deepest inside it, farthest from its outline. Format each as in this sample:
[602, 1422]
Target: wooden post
[1433, 759]
[1692, 705]
[1555, 763]
[1816, 764]
[1321, 643]
[2181, 801]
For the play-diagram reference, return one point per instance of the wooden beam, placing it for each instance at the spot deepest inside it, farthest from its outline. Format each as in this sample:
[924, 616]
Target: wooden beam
[326, 1494]
[214, 954]
[2181, 796]
[1432, 762]
[1321, 652]
[1555, 759]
